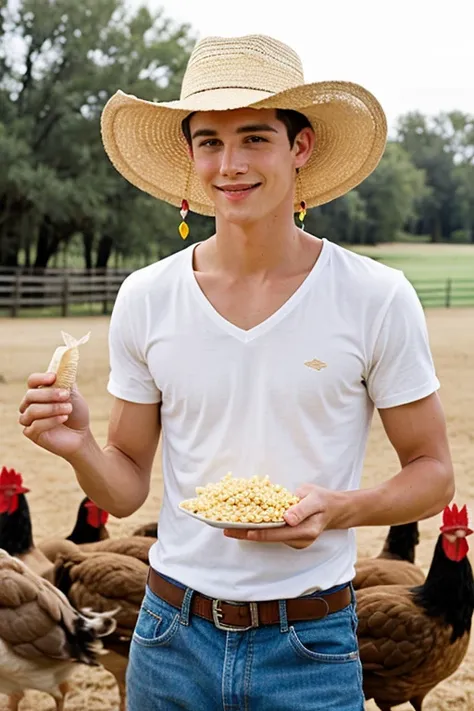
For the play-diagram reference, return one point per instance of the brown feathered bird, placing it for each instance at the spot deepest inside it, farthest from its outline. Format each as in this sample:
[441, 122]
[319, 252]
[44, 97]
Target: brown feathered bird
[395, 564]
[41, 635]
[411, 638]
[149, 530]
[133, 546]
[105, 581]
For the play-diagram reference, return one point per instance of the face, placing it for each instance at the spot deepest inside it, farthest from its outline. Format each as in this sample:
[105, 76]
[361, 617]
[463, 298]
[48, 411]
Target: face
[245, 162]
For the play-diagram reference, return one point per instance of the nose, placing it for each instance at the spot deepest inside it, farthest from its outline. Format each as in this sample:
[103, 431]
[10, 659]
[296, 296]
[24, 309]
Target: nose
[232, 162]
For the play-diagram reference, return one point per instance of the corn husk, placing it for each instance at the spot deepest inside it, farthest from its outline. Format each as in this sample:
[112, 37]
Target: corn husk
[65, 361]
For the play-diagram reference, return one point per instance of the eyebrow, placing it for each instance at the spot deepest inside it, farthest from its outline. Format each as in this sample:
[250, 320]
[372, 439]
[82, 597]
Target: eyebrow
[248, 128]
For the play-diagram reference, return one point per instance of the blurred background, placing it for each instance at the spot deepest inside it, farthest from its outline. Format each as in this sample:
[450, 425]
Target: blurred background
[62, 205]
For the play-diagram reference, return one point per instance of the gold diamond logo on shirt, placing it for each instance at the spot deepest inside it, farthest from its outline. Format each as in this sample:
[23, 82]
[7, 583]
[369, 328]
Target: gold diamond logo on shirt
[316, 364]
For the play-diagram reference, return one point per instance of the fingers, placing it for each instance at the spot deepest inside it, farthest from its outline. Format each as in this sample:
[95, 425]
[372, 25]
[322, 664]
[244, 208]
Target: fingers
[310, 504]
[46, 411]
[303, 536]
[39, 427]
[36, 380]
[43, 395]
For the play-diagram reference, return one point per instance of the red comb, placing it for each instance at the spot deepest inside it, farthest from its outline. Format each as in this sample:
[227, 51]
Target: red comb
[96, 517]
[454, 518]
[11, 485]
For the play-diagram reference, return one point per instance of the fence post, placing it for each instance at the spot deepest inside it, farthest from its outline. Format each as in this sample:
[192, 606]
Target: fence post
[65, 298]
[105, 304]
[16, 295]
[447, 301]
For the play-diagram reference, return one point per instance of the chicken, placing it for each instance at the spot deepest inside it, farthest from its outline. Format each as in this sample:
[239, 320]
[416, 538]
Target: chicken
[16, 533]
[90, 523]
[149, 530]
[41, 635]
[395, 563]
[411, 638]
[104, 581]
[133, 546]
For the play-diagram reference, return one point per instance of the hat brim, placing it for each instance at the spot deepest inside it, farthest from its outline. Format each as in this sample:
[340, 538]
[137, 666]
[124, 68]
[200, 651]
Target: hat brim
[145, 143]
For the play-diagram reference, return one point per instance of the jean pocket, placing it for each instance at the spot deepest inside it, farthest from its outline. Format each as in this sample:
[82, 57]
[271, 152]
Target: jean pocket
[331, 640]
[157, 622]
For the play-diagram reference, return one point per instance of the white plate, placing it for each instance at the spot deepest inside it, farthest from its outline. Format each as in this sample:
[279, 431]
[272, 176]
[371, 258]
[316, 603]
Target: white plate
[229, 524]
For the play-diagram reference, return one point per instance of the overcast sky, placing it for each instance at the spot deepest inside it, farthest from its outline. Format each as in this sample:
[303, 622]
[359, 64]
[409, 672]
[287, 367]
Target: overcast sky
[412, 54]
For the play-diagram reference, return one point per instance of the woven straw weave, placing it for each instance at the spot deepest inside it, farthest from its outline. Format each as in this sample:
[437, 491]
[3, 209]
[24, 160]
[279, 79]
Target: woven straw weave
[145, 143]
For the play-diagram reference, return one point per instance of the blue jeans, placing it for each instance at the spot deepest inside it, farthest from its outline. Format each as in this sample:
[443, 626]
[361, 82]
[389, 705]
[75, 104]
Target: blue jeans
[181, 661]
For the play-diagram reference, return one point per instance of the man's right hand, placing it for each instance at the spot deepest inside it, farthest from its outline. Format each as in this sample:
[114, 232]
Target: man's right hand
[56, 420]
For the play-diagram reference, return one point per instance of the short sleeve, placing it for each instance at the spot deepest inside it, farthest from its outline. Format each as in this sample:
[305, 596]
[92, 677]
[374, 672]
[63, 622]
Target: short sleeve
[130, 378]
[401, 368]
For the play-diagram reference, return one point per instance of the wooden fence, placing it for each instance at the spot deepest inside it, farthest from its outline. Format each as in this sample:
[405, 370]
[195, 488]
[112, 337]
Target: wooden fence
[445, 292]
[59, 290]
[64, 291]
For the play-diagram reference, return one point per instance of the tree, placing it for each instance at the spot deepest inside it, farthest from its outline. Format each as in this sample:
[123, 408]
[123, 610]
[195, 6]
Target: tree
[437, 146]
[56, 179]
[391, 195]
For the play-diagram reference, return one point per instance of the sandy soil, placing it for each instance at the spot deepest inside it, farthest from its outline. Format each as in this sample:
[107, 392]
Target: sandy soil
[55, 494]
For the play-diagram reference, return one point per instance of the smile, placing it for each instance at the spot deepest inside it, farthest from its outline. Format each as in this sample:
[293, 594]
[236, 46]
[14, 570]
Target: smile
[237, 192]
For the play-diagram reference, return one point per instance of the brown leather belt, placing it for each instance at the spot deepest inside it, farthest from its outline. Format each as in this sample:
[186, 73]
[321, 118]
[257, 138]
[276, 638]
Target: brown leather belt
[236, 616]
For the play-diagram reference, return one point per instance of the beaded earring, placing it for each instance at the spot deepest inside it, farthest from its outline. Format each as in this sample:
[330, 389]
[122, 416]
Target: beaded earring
[302, 213]
[184, 227]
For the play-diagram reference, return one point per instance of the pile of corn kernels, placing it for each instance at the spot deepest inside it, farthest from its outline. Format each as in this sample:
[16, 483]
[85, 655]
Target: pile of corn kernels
[254, 500]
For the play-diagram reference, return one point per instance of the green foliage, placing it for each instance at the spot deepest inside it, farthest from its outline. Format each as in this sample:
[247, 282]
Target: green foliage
[61, 60]
[56, 180]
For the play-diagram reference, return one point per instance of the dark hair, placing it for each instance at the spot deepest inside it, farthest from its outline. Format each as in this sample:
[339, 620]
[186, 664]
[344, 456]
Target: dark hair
[294, 123]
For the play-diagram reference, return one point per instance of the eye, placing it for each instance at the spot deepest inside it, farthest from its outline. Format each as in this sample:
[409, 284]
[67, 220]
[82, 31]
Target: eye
[210, 142]
[256, 139]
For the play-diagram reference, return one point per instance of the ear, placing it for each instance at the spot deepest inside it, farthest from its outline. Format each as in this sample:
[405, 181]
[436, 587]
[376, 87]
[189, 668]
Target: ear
[303, 146]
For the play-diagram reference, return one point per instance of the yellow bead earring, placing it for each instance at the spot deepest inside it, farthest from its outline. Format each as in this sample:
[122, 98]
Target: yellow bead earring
[302, 204]
[302, 213]
[184, 227]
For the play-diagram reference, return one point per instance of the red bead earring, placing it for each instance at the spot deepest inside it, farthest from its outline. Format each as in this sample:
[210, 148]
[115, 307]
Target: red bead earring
[183, 227]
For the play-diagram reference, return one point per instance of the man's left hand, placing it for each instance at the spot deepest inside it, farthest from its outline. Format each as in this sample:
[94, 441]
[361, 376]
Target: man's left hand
[306, 520]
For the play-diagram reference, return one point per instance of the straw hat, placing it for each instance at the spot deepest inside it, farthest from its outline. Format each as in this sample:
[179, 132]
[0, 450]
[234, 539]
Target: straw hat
[144, 140]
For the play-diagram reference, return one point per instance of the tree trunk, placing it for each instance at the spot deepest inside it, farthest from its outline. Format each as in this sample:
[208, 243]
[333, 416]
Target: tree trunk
[9, 248]
[88, 242]
[47, 243]
[104, 251]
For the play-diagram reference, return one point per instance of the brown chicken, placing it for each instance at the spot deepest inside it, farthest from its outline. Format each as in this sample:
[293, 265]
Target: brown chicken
[104, 581]
[411, 638]
[133, 546]
[150, 530]
[395, 563]
[41, 635]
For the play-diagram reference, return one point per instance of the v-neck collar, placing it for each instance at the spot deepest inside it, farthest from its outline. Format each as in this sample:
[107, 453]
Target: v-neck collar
[247, 335]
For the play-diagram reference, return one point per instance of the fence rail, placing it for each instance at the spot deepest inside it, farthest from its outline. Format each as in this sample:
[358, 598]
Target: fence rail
[61, 289]
[445, 292]
[22, 291]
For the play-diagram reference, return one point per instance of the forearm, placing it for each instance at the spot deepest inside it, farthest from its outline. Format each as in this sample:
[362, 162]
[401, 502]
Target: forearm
[420, 490]
[110, 478]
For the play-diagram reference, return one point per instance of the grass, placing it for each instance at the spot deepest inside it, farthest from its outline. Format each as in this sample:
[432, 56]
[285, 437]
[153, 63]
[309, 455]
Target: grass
[425, 261]
[421, 263]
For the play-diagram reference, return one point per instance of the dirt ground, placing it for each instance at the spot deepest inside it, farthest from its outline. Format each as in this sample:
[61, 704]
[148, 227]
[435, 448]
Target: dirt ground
[26, 346]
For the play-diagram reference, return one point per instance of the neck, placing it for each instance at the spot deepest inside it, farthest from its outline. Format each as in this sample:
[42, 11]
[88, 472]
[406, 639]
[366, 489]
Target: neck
[271, 244]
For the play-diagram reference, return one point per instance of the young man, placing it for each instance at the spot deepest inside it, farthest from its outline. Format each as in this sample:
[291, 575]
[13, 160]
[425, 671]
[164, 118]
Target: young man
[262, 350]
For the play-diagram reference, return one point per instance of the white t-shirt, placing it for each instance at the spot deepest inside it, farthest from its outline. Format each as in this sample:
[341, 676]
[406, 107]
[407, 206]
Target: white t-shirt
[247, 402]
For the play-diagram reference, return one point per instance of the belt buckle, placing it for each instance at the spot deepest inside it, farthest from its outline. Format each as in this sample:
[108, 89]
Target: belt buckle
[217, 615]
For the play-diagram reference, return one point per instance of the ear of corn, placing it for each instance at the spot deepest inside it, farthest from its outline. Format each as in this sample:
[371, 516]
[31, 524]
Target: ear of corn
[65, 361]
